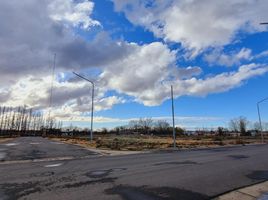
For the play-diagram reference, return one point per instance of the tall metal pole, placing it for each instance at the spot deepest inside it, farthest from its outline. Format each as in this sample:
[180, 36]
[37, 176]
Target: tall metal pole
[51, 93]
[92, 103]
[259, 114]
[173, 119]
[258, 107]
[92, 110]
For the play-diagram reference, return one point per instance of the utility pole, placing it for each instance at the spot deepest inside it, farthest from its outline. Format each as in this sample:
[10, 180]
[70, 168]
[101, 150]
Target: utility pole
[259, 114]
[92, 103]
[173, 119]
[50, 125]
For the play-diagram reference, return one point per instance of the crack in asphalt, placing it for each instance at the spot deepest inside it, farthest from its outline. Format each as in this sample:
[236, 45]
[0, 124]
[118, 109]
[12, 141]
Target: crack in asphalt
[10, 191]
[90, 182]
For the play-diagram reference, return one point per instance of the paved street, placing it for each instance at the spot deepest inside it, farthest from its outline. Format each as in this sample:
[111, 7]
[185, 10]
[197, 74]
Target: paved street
[38, 168]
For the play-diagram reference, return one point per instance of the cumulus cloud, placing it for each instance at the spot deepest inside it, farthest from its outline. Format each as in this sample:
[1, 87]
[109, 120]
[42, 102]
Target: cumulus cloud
[263, 54]
[230, 59]
[68, 98]
[223, 82]
[71, 13]
[148, 73]
[201, 86]
[30, 36]
[196, 24]
[146, 66]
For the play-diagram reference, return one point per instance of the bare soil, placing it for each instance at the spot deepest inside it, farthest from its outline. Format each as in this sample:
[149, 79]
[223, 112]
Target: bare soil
[144, 142]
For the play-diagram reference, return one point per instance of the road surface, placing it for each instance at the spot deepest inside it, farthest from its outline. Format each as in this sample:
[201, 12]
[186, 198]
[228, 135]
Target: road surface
[38, 168]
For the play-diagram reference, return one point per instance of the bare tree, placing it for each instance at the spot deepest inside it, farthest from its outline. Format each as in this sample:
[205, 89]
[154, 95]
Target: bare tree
[162, 125]
[243, 123]
[146, 124]
[239, 125]
[256, 126]
[234, 125]
[134, 124]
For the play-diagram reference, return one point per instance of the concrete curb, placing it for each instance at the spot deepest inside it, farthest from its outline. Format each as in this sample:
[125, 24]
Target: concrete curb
[114, 153]
[255, 192]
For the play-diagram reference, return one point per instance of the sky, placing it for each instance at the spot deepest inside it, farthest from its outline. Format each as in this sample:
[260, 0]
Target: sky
[214, 53]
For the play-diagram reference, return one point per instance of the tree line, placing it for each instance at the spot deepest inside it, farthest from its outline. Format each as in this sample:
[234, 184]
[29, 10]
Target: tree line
[145, 126]
[237, 126]
[25, 121]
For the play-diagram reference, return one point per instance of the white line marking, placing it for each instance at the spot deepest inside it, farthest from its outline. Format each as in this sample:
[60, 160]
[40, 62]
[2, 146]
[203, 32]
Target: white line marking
[54, 165]
[11, 144]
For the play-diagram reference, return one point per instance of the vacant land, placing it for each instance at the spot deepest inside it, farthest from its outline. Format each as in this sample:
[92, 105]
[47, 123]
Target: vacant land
[144, 142]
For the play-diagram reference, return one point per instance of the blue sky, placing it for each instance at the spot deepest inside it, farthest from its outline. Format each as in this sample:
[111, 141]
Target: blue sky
[215, 58]
[240, 101]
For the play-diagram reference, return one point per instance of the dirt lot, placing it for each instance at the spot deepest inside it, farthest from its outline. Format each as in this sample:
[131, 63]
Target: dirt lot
[142, 142]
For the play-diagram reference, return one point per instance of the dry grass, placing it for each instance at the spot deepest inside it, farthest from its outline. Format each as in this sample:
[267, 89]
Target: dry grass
[142, 142]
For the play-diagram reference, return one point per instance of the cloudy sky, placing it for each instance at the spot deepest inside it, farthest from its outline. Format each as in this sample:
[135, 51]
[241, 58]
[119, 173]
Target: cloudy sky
[214, 53]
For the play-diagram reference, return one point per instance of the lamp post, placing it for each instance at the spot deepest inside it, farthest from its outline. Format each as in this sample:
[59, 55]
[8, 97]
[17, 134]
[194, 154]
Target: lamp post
[173, 119]
[258, 103]
[92, 103]
[259, 114]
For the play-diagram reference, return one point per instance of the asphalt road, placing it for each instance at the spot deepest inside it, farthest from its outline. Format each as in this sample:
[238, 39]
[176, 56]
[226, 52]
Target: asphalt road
[37, 168]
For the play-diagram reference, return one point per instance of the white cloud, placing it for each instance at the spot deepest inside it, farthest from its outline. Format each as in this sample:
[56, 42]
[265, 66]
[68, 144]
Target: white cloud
[224, 81]
[141, 72]
[68, 99]
[194, 23]
[263, 54]
[148, 72]
[71, 13]
[230, 59]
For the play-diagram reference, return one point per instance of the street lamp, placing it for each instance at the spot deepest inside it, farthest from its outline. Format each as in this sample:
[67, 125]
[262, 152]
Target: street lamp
[258, 103]
[258, 108]
[92, 103]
